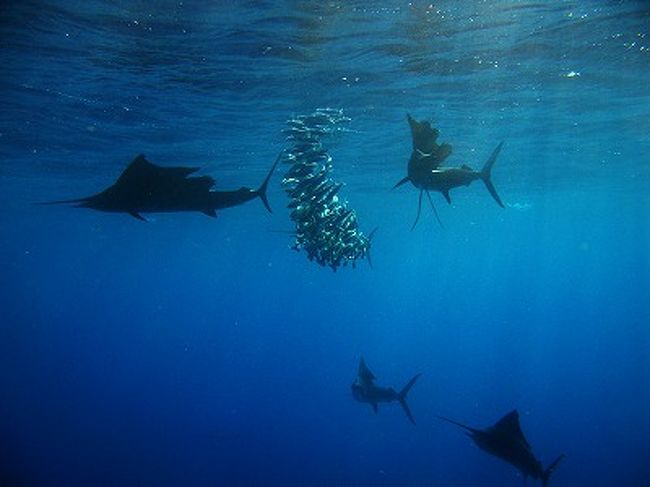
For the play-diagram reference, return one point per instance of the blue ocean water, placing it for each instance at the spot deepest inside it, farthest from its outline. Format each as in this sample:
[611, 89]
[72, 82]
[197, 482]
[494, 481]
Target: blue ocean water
[194, 351]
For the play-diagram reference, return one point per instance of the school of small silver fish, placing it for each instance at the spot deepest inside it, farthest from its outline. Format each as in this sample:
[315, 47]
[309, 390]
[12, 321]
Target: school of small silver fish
[325, 227]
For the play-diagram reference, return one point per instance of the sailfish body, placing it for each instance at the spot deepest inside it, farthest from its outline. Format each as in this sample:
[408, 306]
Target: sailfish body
[427, 172]
[365, 390]
[505, 440]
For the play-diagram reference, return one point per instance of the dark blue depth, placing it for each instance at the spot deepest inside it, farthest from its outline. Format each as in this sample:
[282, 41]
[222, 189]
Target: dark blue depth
[188, 350]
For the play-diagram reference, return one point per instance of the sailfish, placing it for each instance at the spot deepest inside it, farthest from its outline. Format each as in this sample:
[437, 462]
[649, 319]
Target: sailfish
[365, 390]
[144, 187]
[426, 171]
[505, 440]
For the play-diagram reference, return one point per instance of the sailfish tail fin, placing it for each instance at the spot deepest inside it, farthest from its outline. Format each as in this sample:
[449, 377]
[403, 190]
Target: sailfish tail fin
[549, 470]
[486, 174]
[402, 397]
[261, 191]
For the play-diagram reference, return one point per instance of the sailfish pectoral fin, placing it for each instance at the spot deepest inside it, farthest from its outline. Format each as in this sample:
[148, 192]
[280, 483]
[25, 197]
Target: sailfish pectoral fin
[435, 212]
[417, 217]
[447, 197]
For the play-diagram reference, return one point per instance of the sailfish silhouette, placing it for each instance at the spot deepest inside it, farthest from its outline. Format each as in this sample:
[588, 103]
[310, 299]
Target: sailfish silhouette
[505, 440]
[425, 169]
[144, 187]
[365, 390]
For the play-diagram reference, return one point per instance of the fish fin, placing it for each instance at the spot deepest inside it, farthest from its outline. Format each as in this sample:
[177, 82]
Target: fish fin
[402, 397]
[486, 174]
[138, 170]
[368, 254]
[549, 470]
[509, 425]
[261, 191]
[210, 212]
[423, 135]
[435, 212]
[444, 151]
[364, 373]
[446, 195]
[417, 216]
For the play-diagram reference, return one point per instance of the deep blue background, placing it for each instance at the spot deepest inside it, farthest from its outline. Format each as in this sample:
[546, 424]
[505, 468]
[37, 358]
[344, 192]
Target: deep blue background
[196, 351]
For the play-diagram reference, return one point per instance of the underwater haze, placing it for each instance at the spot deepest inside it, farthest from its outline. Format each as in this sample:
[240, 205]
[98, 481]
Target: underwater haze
[189, 350]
